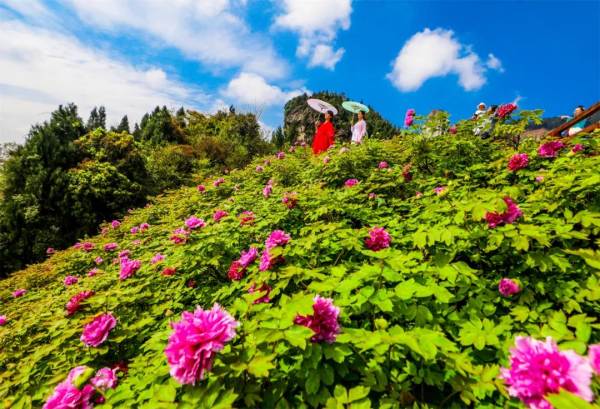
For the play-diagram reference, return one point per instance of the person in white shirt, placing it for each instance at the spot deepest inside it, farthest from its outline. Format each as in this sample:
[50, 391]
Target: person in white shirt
[481, 108]
[359, 129]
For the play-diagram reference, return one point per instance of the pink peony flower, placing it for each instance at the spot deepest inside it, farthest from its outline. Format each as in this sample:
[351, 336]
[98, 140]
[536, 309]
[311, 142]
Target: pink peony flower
[508, 287]
[248, 257]
[92, 272]
[383, 165]
[263, 288]
[453, 130]
[87, 246]
[104, 379]
[219, 214]
[539, 368]
[201, 188]
[378, 239]
[128, 268]
[372, 196]
[267, 190]
[193, 223]
[577, 148]
[179, 236]
[19, 293]
[326, 159]
[236, 271]
[50, 250]
[409, 117]
[110, 246]
[169, 271]
[539, 179]
[280, 155]
[78, 246]
[594, 357]
[350, 182]
[267, 261]
[67, 396]
[134, 230]
[277, 238]
[144, 226]
[157, 258]
[518, 161]
[247, 217]
[440, 190]
[124, 254]
[74, 303]
[70, 280]
[323, 322]
[115, 224]
[509, 216]
[96, 332]
[259, 169]
[550, 149]
[504, 110]
[98, 260]
[195, 340]
[3, 320]
[104, 231]
[218, 182]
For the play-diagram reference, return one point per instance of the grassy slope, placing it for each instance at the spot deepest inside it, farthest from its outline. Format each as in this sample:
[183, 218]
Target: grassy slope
[420, 321]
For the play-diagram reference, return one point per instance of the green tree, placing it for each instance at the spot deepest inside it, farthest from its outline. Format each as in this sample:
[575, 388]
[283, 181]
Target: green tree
[97, 119]
[160, 127]
[123, 125]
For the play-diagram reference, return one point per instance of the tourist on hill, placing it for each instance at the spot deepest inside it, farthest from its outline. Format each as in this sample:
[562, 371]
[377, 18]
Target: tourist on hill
[324, 134]
[480, 110]
[359, 129]
[578, 127]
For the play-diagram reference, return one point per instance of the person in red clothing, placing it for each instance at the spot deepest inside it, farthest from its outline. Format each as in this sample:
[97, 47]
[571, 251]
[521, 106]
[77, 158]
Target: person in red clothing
[324, 134]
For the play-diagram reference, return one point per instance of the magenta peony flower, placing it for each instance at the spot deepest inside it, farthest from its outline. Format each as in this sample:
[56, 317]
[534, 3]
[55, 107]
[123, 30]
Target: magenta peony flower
[518, 161]
[509, 216]
[277, 238]
[134, 230]
[3, 320]
[550, 149]
[263, 288]
[280, 155]
[247, 217]
[110, 246]
[128, 268]
[144, 226]
[594, 357]
[248, 257]
[50, 250]
[67, 396]
[323, 322]
[259, 169]
[95, 333]
[266, 261]
[169, 271]
[378, 239]
[508, 287]
[539, 368]
[218, 182]
[504, 110]
[74, 303]
[92, 272]
[351, 182]
[383, 165]
[409, 117]
[157, 258]
[453, 130]
[87, 246]
[236, 271]
[201, 188]
[193, 223]
[104, 379]
[195, 340]
[219, 214]
[267, 190]
[440, 190]
[98, 260]
[179, 236]
[115, 224]
[124, 254]
[70, 280]
[326, 159]
[577, 148]
[19, 293]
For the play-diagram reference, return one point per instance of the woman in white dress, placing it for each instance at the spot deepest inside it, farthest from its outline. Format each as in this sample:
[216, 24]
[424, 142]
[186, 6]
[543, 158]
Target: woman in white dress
[359, 129]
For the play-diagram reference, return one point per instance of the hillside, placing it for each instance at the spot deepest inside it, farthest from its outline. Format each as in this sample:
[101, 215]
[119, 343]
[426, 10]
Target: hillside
[422, 323]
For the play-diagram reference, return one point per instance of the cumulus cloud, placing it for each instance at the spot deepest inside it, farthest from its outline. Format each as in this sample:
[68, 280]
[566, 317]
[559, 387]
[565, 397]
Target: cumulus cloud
[317, 24]
[437, 53]
[252, 89]
[40, 69]
[209, 31]
[494, 63]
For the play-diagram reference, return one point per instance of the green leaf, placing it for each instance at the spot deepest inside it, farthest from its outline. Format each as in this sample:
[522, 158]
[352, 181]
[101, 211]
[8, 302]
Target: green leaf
[166, 393]
[357, 393]
[260, 365]
[566, 400]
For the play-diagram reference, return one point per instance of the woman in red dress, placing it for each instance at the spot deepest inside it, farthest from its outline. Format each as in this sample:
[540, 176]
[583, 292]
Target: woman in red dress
[324, 134]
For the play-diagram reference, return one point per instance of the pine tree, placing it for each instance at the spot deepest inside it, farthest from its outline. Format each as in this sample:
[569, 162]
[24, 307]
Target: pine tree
[97, 119]
[123, 125]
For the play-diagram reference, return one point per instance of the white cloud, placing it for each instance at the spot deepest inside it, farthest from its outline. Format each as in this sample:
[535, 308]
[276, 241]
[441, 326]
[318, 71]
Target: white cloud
[317, 23]
[208, 31]
[252, 89]
[437, 53]
[40, 69]
[494, 63]
[33, 9]
[325, 56]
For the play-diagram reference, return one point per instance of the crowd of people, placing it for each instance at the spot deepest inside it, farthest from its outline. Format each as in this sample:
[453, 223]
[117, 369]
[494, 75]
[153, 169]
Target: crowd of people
[486, 118]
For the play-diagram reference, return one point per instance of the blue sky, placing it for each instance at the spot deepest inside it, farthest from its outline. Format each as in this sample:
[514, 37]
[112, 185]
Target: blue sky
[131, 55]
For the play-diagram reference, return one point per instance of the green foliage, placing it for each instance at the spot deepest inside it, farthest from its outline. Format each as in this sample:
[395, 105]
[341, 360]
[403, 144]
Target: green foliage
[159, 128]
[423, 324]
